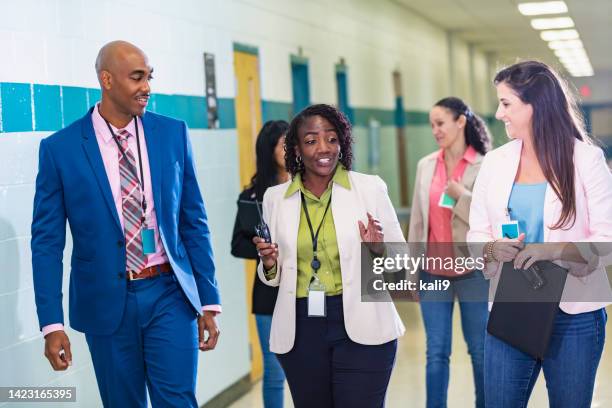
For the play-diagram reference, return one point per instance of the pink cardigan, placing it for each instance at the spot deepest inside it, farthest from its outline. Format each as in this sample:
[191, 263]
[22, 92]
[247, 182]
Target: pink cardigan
[587, 287]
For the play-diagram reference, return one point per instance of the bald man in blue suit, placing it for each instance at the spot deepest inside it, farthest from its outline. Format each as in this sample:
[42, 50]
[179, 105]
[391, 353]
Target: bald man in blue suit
[142, 281]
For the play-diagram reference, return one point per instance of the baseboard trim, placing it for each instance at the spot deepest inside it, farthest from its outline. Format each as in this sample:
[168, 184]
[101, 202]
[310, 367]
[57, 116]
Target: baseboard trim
[231, 393]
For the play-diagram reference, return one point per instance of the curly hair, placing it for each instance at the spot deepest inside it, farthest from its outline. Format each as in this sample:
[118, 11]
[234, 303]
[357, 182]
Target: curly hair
[340, 123]
[476, 132]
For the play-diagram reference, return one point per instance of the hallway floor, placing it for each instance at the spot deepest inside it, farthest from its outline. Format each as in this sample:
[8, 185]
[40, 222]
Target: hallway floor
[407, 388]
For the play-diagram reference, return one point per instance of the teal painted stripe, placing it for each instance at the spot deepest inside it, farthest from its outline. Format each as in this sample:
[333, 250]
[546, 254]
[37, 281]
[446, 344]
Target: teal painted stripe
[47, 107]
[249, 49]
[296, 59]
[74, 103]
[273, 110]
[16, 107]
[386, 117]
[227, 113]
[417, 118]
[56, 106]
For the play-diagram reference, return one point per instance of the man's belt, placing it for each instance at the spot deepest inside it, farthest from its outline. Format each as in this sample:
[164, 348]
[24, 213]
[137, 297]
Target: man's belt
[150, 272]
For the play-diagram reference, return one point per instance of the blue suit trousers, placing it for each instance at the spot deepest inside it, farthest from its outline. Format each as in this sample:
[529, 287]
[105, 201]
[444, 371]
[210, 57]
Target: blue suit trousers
[155, 347]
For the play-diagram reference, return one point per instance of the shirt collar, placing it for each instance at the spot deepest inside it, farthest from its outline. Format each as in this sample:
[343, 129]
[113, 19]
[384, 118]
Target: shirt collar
[469, 155]
[341, 177]
[106, 136]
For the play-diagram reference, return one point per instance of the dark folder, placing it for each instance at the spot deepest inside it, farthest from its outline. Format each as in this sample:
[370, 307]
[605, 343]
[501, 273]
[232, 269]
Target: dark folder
[249, 215]
[526, 305]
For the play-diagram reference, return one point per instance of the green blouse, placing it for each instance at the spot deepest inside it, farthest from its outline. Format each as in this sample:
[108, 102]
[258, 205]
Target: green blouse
[327, 251]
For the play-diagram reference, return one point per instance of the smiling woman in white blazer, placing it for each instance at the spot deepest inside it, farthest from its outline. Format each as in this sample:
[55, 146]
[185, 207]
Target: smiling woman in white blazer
[355, 343]
[556, 184]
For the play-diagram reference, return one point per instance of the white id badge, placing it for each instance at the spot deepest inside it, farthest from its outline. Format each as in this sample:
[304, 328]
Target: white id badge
[316, 299]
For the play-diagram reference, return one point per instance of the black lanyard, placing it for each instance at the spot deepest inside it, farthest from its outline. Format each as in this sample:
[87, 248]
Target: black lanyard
[130, 165]
[315, 263]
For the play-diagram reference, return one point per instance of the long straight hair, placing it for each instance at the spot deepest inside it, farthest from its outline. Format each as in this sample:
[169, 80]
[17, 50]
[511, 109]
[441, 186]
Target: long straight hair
[266, 174]
[556, 124]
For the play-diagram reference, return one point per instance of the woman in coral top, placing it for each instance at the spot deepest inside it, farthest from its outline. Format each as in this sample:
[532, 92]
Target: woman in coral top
[439, 220]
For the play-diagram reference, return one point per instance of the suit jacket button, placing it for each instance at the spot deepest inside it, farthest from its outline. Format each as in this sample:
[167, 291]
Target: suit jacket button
[119, 243]
[121, 275]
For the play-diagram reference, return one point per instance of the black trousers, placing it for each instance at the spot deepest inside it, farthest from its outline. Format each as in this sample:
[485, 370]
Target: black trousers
[326, 369]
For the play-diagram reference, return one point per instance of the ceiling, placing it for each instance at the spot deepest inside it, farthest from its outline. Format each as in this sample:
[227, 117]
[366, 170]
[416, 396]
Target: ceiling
[496, 26]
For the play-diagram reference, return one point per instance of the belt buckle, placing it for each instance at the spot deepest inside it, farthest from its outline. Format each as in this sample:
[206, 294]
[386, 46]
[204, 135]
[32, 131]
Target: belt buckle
[133, 276]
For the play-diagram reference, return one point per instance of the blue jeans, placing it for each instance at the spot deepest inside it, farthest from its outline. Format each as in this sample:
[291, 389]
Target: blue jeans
[569, 366]
[274, 377]
[437, 309]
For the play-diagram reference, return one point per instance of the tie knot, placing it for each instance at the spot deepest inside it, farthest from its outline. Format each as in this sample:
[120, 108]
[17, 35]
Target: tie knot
[123, 135]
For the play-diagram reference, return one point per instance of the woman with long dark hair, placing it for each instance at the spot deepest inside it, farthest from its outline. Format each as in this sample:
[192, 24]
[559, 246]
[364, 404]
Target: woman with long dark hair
[270, 171]
[439, 218]
[336, 350]
[554, 182]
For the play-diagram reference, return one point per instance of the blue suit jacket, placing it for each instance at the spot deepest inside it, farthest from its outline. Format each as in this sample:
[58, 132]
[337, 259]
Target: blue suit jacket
[72, 185]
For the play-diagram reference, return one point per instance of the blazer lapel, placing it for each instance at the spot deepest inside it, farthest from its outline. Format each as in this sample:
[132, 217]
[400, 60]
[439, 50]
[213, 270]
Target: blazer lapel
[152, 138]
[94, 157]
[289, 224]
[346, 210]
[506, 177]
[426, 178]
[471, 171]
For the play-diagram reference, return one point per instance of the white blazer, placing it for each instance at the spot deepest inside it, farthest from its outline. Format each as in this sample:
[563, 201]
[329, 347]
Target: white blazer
[587, 287]
[368, 323]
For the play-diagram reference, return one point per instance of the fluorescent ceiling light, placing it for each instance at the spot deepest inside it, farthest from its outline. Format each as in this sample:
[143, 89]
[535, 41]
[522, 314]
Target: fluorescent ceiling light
[578, 67]
[565, 44]
[579, 72]
[582, 61]
[571, 52]
[552, 23]
[556, 35]
[546, 7]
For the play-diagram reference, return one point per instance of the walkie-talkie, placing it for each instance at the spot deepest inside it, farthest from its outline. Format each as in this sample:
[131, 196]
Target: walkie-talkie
[262, 229]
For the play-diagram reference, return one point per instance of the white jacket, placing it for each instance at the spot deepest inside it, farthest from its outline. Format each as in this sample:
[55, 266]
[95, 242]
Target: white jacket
[368, 323]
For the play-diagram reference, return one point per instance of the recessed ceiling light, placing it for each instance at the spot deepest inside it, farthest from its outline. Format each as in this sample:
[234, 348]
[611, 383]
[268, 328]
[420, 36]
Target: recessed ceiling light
[552, 23]
[539, 8]
[565, 44]
[555, 35]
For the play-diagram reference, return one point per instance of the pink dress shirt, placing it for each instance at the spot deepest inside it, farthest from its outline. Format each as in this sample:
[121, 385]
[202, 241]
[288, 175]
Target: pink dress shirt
[440, 230]
[110, 157]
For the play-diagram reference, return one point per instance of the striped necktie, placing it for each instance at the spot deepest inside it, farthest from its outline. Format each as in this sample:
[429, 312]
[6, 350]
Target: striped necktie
[131, 199]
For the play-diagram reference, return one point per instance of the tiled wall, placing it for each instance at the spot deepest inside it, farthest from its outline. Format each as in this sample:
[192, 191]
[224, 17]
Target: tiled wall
[47, 80]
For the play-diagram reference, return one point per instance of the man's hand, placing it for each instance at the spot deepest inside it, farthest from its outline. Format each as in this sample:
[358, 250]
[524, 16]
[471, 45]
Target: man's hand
[57, 350]
[208, 322]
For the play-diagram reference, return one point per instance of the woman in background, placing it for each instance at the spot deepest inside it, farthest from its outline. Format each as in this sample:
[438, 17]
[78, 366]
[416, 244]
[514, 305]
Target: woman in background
[439, 217]
[270, 171]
